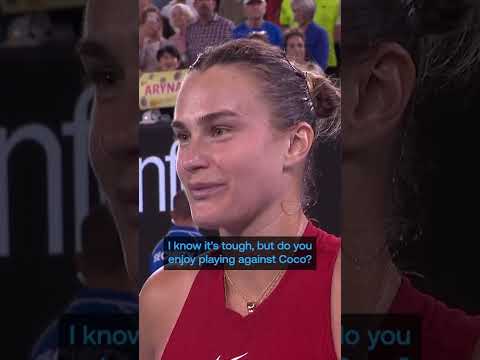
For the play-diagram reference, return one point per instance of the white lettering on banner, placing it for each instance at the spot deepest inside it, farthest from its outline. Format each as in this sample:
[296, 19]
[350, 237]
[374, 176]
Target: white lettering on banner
[162, 186]
[172, 159]
[53, 155]
[51, 145]
[160, 165]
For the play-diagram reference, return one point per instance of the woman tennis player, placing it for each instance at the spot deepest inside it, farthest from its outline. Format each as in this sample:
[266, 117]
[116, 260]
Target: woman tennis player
[247, 122]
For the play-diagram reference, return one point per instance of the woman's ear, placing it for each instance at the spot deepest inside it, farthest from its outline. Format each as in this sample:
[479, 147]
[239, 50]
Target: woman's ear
[376, 94]
[300, 142]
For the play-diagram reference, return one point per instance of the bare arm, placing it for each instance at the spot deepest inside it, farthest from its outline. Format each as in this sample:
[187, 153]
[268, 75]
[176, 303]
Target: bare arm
[336, 305]
[146, 349]
[161, 302]
[152, 336]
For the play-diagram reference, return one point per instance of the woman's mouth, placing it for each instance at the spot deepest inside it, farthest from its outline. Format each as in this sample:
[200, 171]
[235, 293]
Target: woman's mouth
[202, 191]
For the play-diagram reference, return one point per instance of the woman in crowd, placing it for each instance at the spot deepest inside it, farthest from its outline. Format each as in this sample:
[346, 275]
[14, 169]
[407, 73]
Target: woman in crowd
[181, 16]
[151, 38]
[167, 9]
[295, 49]
[316, 38]
[387, 160]
[241, 100]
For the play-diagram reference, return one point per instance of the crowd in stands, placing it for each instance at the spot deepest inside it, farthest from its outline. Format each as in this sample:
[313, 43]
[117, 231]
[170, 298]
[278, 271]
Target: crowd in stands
[39, 28]
[173, 33]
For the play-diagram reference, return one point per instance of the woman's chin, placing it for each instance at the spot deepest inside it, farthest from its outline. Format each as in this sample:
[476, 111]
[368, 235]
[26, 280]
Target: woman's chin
[207, 219]
[209, 214]
[209, 223]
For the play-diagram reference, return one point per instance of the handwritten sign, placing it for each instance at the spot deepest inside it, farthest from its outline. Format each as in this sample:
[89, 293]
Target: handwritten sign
[159, 90]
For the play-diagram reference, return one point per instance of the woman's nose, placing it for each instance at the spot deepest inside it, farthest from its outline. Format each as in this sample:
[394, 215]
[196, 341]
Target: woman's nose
[192, 157]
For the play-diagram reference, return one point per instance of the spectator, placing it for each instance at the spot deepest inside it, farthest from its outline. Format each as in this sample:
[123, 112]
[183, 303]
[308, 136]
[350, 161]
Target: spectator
[326, 17]
[167, 9]
[295, 49]
[255, 11]
[151, 38]
[150, 24]
[316, 38]
[209, 30]
[168, 58]
[182, 226]
[232, 10]
[181, 17]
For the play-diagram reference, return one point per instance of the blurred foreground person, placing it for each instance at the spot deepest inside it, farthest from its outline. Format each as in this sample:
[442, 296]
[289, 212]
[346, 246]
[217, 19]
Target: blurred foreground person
[387, 161]
[105, 286]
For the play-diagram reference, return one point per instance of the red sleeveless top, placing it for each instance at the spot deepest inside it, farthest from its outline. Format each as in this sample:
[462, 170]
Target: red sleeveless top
[446, 333]
[294, 322]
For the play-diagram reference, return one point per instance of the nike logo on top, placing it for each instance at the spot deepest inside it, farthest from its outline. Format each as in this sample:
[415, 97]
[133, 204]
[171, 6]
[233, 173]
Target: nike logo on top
[235, 358]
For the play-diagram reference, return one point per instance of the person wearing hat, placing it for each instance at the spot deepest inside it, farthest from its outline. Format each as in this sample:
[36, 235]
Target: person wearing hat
[255, 23]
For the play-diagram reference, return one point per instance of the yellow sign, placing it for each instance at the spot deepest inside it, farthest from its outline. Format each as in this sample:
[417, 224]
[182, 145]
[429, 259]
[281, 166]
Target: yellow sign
[19, 6]
[159, 90]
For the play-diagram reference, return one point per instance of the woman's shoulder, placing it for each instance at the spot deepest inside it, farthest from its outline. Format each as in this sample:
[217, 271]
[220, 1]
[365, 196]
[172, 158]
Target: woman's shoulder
[410, 299]
[325, 240]
[164, 284]
[161, 301]
[444, 328]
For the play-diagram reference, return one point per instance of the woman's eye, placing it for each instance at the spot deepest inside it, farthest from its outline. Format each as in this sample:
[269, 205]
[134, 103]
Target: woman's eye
[219, 131]
[103, 77]
[181, 137]
[106, 81]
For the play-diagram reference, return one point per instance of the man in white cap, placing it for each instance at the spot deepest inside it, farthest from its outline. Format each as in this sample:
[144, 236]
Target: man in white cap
[254, 12]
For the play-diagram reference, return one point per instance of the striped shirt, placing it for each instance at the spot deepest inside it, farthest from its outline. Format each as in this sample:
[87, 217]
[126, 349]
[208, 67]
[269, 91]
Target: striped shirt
[200, 35]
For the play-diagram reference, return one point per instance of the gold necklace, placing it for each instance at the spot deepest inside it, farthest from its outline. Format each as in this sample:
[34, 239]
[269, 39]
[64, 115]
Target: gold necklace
[252, 305]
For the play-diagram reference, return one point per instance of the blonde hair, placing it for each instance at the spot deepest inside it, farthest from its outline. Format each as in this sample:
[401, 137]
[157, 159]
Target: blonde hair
[186, 9]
